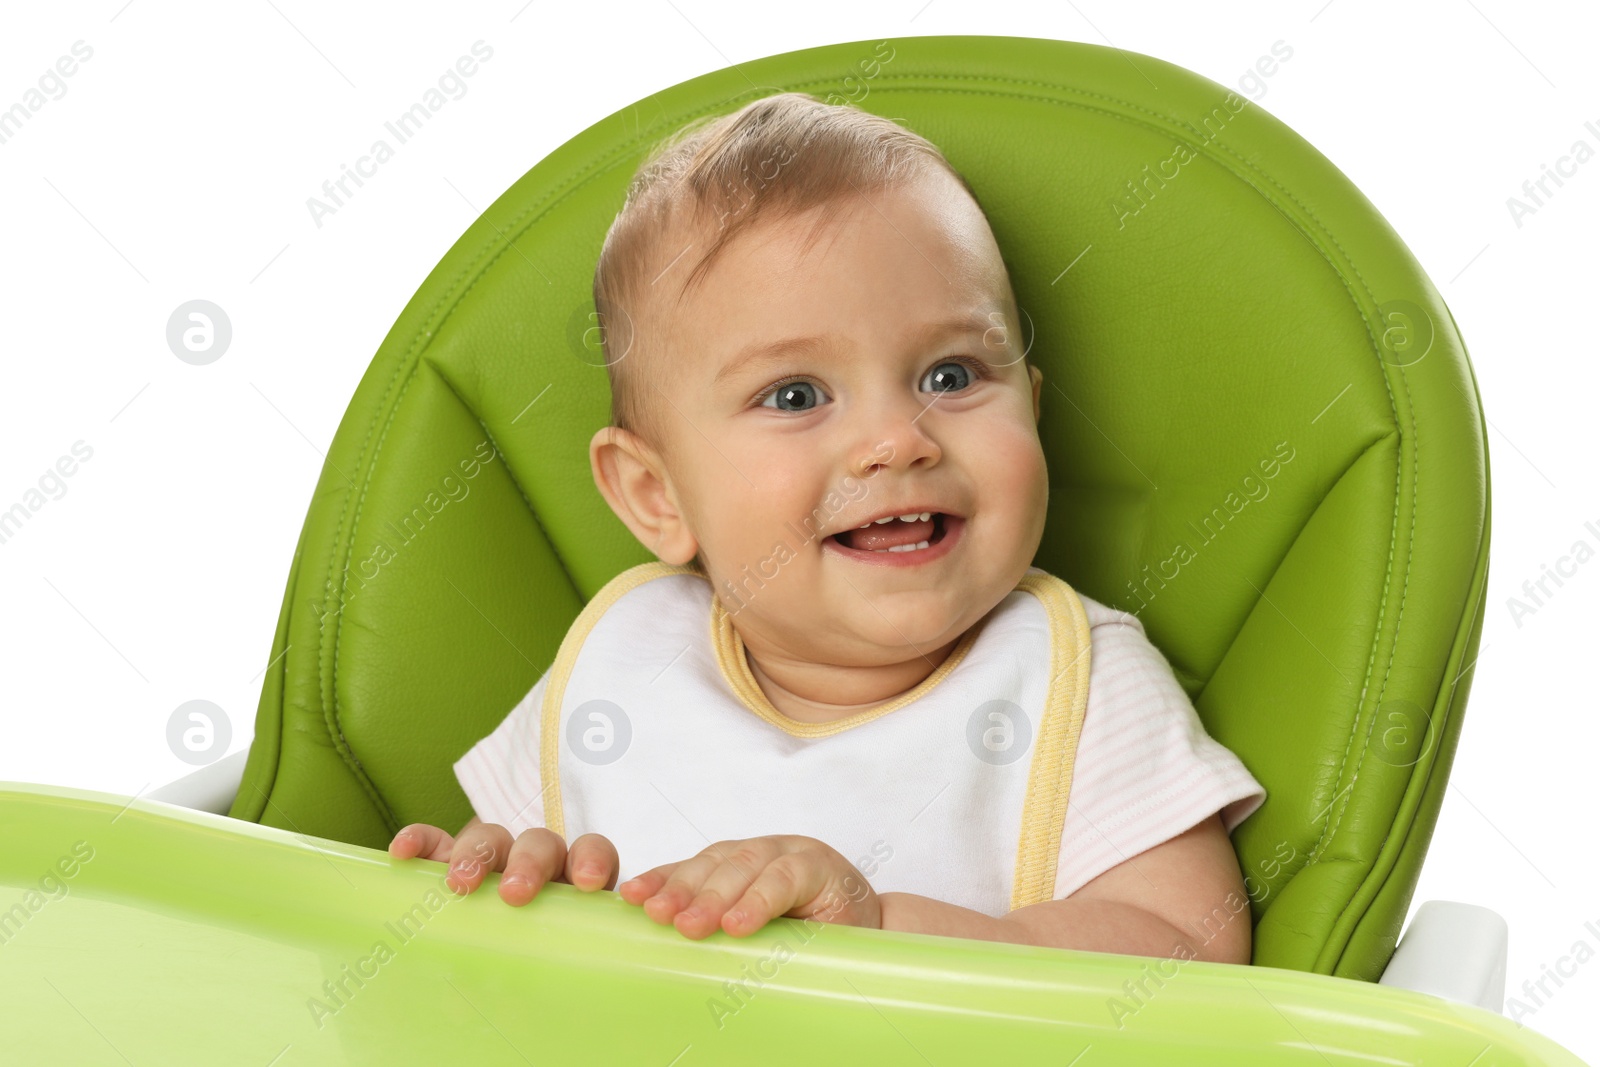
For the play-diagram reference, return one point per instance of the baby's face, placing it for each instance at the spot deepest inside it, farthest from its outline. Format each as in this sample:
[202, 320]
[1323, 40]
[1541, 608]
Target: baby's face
[888, 413]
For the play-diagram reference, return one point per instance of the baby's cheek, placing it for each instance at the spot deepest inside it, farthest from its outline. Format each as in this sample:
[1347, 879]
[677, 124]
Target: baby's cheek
[1014, 474]
[1017, 493]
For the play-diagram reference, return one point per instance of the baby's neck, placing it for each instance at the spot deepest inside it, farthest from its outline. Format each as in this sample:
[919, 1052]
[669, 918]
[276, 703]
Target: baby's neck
[796, 688]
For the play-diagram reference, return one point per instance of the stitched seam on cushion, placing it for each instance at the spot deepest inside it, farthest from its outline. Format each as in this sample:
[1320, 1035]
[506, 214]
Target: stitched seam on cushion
[1331, 829]
[1405, 587]
[329, 649]
[331, 710]
[509, 472]
[1348, 792]
[1298, 535]
[1359, 456]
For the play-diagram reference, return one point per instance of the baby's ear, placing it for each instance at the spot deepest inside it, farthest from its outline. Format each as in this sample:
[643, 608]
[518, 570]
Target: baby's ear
[633, 479]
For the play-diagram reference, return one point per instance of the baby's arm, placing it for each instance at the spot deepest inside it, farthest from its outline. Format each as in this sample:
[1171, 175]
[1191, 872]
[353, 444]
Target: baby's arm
[538, 855]
[1185, 898]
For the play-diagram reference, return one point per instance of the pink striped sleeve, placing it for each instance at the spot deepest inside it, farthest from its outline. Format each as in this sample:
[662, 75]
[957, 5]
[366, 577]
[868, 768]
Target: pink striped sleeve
[1146, 769]
[500, 774]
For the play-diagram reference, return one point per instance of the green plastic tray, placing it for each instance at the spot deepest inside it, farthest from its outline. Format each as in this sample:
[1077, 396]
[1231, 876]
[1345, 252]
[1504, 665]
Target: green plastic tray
[136, 932]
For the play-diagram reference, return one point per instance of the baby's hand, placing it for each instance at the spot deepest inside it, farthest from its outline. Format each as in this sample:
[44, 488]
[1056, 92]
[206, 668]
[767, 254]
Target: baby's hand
[743, 885]
[537, 856]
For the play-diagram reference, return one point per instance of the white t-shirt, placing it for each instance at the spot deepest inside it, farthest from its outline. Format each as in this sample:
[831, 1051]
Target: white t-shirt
[662, 741]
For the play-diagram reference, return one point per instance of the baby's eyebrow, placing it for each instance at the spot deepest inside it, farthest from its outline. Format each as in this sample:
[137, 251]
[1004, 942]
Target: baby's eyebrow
[763, 353]
[759, 355]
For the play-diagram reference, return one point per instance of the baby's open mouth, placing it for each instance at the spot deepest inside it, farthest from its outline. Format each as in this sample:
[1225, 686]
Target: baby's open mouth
[896, 533]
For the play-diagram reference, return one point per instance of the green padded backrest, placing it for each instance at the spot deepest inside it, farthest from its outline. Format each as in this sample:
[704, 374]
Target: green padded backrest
[1263, 434]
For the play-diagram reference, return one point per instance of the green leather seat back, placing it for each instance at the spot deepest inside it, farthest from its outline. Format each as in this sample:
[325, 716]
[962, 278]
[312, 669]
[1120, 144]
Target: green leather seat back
[1263, 434]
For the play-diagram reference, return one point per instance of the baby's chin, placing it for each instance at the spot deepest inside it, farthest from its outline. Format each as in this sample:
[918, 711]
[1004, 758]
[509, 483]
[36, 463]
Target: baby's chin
[899, 625]
[846, 626]
[850, 647]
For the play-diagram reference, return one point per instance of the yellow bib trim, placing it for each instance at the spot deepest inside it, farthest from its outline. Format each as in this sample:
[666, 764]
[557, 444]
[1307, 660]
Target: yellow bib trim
[561, 670]
[1044, 811]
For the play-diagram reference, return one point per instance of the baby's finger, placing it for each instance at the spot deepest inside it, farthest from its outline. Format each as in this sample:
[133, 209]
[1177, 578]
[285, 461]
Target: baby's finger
[591, 863]
[681, 886]
[536, 856]
[481, 848]
[638, 889]
[728, 888]
[420, 839]
[785, 884]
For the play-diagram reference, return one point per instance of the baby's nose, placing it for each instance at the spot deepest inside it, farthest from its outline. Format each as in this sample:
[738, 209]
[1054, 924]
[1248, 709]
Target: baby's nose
[897, 439]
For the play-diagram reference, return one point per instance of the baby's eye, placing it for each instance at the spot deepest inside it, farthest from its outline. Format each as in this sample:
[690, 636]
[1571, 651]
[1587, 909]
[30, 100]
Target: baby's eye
[794, 396]
[952, 375]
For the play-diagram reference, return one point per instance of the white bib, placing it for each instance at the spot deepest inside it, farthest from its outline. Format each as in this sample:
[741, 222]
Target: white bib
[654, 733]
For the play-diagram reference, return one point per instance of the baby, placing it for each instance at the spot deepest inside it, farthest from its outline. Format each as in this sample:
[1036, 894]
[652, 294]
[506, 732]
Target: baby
[843, 692]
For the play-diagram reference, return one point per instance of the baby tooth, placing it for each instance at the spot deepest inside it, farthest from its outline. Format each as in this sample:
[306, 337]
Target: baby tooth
[908, 518]
[886, 518]
[925, 516]
[905, 548]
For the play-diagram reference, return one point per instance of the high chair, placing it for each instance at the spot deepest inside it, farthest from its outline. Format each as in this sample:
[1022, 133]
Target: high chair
[1264, 439]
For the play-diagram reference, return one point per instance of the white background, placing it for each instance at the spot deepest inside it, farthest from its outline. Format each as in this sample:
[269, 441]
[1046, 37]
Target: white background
[178, 163]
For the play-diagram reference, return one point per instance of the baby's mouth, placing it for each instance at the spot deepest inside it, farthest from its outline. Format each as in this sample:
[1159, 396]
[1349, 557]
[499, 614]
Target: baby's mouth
[898, 534]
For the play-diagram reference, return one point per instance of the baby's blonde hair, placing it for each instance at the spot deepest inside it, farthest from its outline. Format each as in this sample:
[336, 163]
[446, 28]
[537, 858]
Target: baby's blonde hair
[778, 155]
